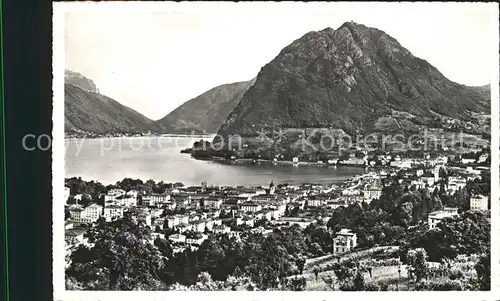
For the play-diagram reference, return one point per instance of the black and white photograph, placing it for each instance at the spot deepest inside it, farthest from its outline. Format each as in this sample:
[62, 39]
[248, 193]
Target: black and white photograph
[278, 147]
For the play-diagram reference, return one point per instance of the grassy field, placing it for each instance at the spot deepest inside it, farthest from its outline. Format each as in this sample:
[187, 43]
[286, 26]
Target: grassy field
[323, 261]
[383, 274]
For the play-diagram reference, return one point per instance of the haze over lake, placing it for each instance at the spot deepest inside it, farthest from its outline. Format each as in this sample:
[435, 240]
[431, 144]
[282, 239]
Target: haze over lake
[109, 160]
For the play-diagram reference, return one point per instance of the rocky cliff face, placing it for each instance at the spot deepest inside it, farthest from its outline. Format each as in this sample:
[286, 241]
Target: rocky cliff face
[80, 81]
[204, 113]
[347, 79]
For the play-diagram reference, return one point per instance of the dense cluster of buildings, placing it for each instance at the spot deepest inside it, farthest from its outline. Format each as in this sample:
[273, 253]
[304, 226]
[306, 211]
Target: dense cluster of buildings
[190, 214]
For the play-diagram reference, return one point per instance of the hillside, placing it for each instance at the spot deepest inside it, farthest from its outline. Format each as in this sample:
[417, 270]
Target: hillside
[96, 113]
[354, 78]
[485, 91]
[204, 113]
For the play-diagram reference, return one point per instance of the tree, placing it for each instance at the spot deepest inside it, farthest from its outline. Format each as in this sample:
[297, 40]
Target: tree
[316, 249]
[297, 284]
[344, 271]
[483, 270]
[72, 284]
[329, 281]
[417, 261]
[316, 271]
[237, 272]
[300, 264]
[436, 203]
[404, 214]
[211, 255]
[359, 281]
[466, 234]
[119, 259]
[164, 247]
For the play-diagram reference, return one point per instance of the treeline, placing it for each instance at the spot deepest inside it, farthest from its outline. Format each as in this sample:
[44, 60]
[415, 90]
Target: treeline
[121, 260]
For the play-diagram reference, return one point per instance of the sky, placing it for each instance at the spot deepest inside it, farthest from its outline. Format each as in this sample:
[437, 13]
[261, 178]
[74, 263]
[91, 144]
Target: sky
[154, 57]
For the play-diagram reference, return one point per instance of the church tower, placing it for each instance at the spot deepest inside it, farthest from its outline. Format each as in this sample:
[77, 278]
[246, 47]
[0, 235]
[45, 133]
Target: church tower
[437, 170]
[271, 188]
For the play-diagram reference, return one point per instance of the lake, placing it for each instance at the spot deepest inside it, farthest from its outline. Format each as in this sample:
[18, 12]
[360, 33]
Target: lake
[109, 160]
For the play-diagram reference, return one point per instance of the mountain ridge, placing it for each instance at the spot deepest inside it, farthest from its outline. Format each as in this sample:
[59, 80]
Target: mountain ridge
[85, 110]
[205, 112]
[346, 79]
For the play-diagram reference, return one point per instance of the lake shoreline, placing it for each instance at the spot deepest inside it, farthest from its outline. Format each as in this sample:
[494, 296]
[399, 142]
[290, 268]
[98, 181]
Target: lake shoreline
[274, 163]
[107, 162]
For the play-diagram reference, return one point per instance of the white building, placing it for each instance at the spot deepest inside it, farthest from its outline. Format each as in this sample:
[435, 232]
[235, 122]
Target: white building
[479, 202]
[251, 207]
[344, 241]
[351, 191]
[436, 217]
[159, 198]
[173, 221]
[94, 211]
[318, 200]
[334, 204]
[372, 192]
[113, 212]
[177, 238]
[455, 184]
[468, 161]
[126, 200]
[145, 218]
[482, 158]
[89, 214]
[437, 169]
[212, 203]
[111, 196]
[195, 239]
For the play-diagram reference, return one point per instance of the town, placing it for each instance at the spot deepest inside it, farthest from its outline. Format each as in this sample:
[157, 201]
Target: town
[386, 222]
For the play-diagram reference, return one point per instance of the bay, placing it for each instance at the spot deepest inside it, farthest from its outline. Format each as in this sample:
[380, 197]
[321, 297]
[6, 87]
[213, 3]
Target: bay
[109, 160]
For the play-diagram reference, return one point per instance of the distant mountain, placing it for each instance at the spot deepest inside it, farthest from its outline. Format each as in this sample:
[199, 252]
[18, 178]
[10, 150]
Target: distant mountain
[80, 81]
[354, 79]
[204, 113]
[92, 112]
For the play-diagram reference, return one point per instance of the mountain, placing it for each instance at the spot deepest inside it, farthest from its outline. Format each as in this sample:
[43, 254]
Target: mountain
[80, 81]
[353, 79]
[204, 113]
[89, 111]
